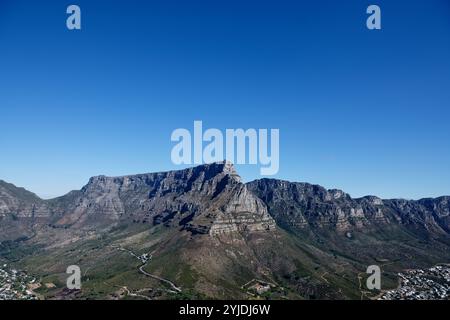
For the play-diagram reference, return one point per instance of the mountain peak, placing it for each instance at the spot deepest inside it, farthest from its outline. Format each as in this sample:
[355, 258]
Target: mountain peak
[223, 167]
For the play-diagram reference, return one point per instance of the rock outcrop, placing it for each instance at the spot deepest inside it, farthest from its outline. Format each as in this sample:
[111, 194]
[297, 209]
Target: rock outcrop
[302, 205]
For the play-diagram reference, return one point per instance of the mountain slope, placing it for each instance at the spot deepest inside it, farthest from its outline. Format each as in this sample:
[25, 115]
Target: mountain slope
[14, 200]
[210, 234]
[302, 205]
[203, 199]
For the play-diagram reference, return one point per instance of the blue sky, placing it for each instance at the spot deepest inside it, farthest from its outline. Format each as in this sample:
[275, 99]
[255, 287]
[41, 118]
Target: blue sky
[363, 111]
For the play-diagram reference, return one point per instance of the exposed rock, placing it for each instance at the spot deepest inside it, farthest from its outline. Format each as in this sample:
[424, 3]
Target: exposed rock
[212, 199]
[302, 205]
[204, 199]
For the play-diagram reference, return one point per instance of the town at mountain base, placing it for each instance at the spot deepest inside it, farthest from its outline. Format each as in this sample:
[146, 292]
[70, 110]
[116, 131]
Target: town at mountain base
[201, 233]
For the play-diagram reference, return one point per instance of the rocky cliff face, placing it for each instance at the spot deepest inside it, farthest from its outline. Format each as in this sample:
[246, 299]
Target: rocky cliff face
[211, 199]
[204, 199]
[302, 205]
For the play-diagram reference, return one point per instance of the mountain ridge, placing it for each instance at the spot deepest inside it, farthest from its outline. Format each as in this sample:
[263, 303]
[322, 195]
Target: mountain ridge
[251, 181]
[210, 233]
[211, 198]
[158, 195]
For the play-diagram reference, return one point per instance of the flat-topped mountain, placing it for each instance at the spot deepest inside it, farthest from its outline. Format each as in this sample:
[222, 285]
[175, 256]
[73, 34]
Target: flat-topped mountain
[211, 199]
[205, 199]
[214, 236]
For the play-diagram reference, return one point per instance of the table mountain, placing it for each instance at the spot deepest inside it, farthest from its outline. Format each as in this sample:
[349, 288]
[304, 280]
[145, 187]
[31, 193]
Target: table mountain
[210, 234]
[205, 199]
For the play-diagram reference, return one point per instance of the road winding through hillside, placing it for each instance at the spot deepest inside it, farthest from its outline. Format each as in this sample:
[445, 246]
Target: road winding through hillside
[145, 259]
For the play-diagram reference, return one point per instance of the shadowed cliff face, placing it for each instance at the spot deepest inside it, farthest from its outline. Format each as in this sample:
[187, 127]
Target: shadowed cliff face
[302, 205]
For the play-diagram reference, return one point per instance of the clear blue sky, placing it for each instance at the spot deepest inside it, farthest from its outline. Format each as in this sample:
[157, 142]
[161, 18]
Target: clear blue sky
[364, 111]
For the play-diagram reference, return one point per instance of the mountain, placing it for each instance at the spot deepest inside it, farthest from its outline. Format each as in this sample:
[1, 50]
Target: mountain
[206, 199]
[14, 200]
[302, 205]
[15, 203]
[210, 235]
